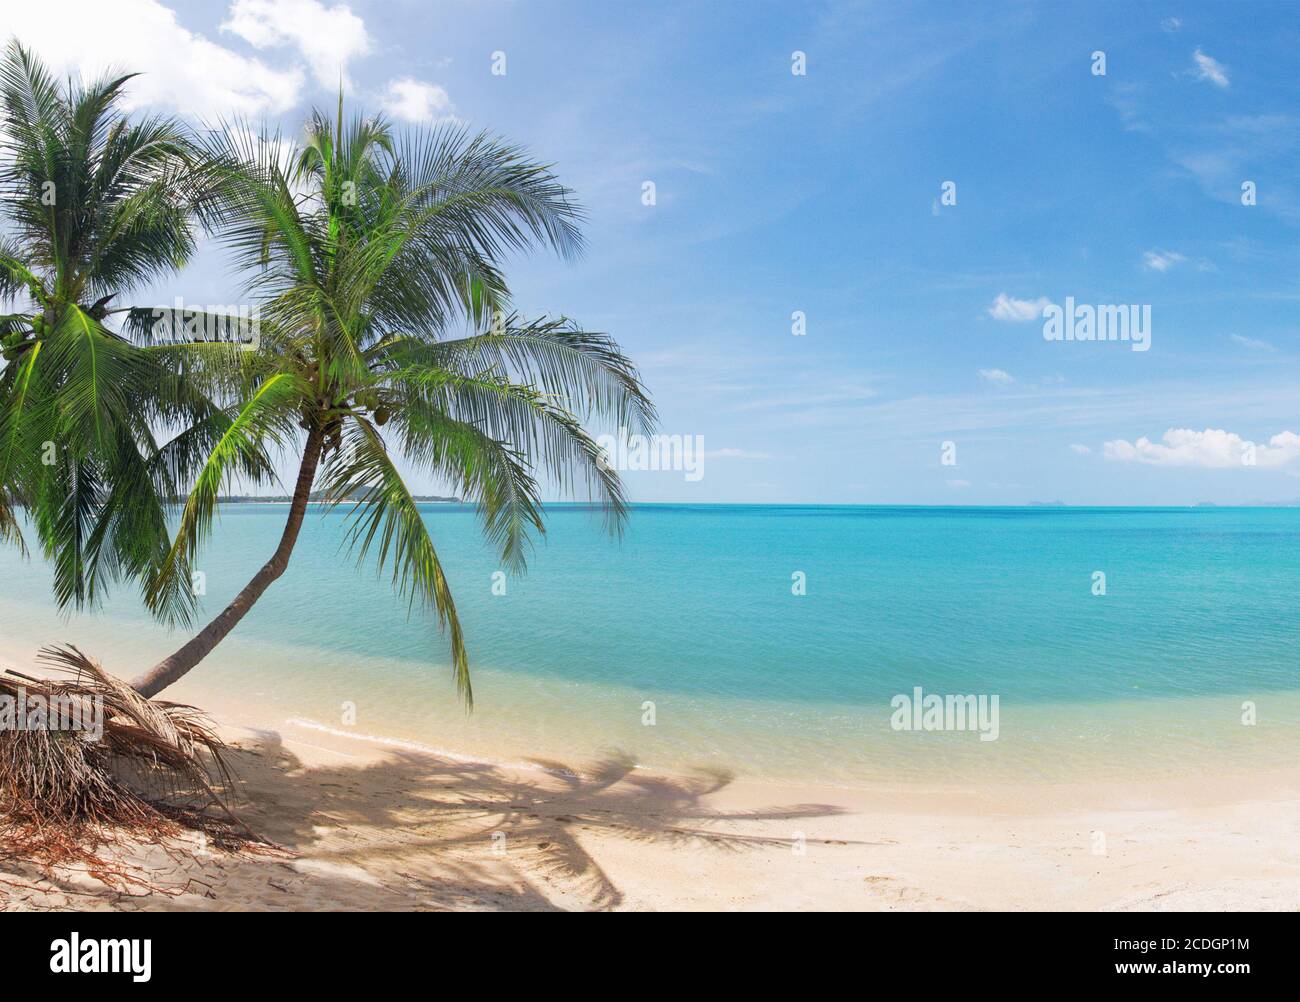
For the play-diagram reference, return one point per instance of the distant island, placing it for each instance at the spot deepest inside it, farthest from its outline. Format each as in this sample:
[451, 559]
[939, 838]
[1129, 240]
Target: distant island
[318, 496]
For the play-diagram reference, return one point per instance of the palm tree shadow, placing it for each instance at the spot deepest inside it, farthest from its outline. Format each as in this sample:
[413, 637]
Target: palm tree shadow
[468, 834]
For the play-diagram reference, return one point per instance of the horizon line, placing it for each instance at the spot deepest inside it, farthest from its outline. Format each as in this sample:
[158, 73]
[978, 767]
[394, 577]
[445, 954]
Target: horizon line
[277, 499]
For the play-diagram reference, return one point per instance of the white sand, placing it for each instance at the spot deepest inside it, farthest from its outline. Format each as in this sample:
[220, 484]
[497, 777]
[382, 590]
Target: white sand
[372, 826]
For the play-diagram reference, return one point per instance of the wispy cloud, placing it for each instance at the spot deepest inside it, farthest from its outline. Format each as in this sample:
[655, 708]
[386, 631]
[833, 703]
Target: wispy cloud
[1162, 260]
[1249, 342]
[1017, 310]
[1209, 68]
[997, 376]
[1124, 98]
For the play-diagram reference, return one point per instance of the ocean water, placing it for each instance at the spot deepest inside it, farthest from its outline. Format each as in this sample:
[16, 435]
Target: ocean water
[684, 645]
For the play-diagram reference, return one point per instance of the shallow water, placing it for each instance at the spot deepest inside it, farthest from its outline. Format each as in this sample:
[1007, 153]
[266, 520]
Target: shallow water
[694, 612]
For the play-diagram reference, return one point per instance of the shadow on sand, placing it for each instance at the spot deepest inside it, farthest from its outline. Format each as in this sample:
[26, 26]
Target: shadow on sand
[469, 834]
[410, 831]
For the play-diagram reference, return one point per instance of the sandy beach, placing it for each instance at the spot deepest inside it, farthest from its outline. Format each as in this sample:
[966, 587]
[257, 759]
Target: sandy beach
[367, 826]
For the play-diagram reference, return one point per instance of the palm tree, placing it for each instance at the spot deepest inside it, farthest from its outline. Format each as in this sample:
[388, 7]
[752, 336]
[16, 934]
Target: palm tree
[384, 327]
[95, 206]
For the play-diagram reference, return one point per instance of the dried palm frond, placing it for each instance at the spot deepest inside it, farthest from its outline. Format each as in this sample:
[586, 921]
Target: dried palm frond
[107, 763]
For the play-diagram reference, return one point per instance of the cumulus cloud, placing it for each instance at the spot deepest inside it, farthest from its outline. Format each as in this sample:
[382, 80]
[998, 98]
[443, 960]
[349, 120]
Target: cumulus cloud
[326, 37]
[416, 101]
[1017, 310]
[1212, 448]
[305, 41]
[1082, 450]
[1161, 260]
[997, 376]
[1209, 68]
[179, 68]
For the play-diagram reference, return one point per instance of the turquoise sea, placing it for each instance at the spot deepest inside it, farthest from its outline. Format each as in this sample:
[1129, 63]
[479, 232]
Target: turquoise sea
[694, 611]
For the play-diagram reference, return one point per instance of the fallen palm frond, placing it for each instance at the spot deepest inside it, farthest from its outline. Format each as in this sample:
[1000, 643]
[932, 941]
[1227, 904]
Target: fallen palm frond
[86, 760]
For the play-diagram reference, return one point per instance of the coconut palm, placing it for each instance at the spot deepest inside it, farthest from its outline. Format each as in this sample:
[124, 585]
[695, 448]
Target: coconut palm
[96, 206]
[385, 329]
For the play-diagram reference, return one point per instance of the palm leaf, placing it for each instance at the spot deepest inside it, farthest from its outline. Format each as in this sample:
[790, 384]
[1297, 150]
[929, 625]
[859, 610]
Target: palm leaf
[388, 519]
[267, 416]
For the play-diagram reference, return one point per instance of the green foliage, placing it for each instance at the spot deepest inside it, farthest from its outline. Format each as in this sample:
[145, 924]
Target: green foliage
[385, 330]
[95, 206]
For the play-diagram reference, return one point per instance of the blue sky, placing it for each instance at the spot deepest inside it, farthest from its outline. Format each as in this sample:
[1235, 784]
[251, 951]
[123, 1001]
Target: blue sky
[819, 193]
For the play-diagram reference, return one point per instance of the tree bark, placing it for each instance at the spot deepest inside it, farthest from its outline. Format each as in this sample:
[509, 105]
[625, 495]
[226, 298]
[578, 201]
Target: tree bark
[172, 668]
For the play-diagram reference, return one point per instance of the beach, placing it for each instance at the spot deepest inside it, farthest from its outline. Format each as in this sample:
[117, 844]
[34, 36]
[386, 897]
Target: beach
[721, 457]
[363, 826]
[645, 737]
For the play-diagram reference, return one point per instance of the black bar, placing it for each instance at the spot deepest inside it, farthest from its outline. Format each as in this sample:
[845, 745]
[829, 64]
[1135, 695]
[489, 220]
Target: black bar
[254, 952]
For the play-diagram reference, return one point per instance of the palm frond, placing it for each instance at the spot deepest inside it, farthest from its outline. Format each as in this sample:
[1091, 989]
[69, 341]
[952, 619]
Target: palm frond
[585, 369]
[552, 437]
[387, 518]
[491, 473]
[266, 416]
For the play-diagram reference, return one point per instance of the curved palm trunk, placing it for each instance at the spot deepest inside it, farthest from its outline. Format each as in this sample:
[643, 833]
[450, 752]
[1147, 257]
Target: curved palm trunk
[172, 668]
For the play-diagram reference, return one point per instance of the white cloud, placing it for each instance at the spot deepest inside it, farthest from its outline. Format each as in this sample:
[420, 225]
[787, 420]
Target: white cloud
[1171, 24]
[1017, 310]
[326, 37]
[1162, 261]
[1212, 448]
[187, 72]
[1250, 342]
[416, 101]
[1082, 450]
[997, 376]
[1209, 68]
[180, 69]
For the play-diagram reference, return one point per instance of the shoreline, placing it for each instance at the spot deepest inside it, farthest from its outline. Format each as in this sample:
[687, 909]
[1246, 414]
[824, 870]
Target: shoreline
[1206, 789]
[1131, 749]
